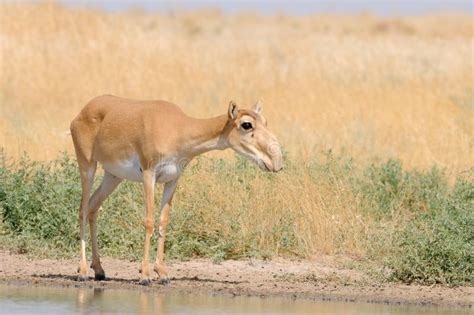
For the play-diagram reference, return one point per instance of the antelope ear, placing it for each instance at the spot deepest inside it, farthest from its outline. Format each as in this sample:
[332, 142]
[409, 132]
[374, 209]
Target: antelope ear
[233, 110]
[257, 108]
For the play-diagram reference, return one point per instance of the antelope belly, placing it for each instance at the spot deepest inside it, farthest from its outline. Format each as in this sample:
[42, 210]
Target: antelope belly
[126, 169]
[166, 172]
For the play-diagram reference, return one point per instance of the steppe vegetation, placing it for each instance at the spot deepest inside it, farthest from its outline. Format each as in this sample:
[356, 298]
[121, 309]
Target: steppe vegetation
[375, 115]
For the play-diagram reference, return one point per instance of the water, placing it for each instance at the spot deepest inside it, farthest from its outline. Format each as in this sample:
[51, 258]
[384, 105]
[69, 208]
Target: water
[50, 300]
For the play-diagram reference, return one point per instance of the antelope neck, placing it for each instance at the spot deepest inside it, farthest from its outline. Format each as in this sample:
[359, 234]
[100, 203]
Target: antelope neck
[203, 135]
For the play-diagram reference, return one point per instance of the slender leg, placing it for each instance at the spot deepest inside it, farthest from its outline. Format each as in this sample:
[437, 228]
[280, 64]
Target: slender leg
[149, 189]
[108, 185]
[87, 179]
[160, 266]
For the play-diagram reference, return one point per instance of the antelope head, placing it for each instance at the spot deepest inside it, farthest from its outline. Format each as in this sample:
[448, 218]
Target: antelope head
[250, 137]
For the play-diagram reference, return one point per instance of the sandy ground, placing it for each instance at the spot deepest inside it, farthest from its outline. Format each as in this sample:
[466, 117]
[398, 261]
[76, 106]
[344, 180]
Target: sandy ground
[318, 279]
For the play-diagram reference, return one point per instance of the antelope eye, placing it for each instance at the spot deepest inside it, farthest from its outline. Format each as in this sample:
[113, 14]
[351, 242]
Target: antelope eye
[246, 126]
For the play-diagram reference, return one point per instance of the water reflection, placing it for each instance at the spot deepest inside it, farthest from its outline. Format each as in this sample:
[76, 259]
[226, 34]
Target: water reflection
[87, 298]
[151, 303]
[99, 300]
[47, 300]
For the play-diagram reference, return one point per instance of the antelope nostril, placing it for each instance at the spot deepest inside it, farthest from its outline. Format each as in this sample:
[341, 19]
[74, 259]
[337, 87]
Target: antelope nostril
[274, 149]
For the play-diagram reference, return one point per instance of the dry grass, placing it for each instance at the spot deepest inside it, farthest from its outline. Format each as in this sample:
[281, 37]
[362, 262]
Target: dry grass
[374, 87]
[300, 211]
[369, 87]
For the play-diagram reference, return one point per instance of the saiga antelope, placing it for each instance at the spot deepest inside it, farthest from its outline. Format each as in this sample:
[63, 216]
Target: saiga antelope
[150, 142]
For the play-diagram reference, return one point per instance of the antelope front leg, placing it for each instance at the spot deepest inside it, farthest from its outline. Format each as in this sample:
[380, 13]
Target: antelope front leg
[160, 267]
[149, 189]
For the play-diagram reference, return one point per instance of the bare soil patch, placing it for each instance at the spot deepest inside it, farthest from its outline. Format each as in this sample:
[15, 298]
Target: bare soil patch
[321, 279]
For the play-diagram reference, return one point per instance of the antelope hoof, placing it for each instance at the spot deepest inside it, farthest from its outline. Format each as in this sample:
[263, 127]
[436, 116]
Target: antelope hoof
[164, 280]
[82, 278]
[99, 276]
[145, 281]
[161, 271]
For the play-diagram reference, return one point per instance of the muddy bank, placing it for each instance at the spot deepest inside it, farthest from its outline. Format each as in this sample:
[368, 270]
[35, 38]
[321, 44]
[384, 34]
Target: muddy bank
[321, 279]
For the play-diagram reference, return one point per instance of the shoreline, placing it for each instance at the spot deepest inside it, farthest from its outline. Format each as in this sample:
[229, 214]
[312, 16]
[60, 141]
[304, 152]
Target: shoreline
[321, 280]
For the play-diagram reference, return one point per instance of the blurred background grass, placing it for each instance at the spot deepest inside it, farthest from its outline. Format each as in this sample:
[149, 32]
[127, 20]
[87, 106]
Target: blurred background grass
[375, 114]
[393, 87]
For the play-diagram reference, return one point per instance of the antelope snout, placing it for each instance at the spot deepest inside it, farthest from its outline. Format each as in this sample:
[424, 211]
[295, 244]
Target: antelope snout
[274, 150]
[277, 167]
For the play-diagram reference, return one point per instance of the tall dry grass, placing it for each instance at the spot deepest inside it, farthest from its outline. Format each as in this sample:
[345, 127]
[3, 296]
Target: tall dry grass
[400, 87]
[369, 87]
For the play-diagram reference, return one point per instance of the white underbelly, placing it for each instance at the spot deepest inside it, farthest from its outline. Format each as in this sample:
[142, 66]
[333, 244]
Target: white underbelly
[126, 169]
[131, 169]
[167, 171]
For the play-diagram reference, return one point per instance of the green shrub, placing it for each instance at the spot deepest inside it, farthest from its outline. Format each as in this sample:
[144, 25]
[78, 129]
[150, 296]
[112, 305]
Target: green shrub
[41, 200]
[388, 190]
[437, 246]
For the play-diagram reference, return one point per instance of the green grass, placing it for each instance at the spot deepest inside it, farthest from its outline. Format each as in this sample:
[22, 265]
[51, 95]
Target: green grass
[417, 226]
